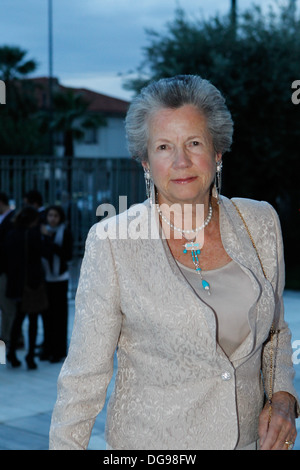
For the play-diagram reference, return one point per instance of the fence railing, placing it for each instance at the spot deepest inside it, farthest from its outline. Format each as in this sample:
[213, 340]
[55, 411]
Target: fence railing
[79, 185]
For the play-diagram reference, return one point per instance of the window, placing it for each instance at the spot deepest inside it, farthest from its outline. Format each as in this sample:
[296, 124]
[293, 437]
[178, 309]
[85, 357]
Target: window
[90, 136]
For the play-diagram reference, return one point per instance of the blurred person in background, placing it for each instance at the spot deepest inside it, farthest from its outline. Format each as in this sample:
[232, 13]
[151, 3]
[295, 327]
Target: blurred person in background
[7, 306]
[57, 252]
[23, 250]
[34, 198]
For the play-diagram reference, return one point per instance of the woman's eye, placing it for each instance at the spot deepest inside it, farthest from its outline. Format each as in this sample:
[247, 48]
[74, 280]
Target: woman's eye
[194, 144]
[162, 147]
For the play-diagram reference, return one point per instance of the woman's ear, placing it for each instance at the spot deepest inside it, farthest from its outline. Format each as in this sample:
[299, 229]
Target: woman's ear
[218, 157]
[145, 165]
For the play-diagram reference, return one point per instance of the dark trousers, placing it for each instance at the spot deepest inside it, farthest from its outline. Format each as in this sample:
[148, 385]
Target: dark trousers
[56, 320]
[17, 329]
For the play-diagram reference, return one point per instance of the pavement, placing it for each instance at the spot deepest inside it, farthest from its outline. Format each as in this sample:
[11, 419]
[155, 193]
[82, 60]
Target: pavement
[27, 397]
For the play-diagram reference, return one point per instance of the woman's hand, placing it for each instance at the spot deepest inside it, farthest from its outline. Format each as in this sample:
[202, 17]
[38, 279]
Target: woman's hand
[282, 426]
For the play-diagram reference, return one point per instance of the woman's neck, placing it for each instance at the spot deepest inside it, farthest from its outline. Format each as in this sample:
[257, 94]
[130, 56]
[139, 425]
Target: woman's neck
[185, 215]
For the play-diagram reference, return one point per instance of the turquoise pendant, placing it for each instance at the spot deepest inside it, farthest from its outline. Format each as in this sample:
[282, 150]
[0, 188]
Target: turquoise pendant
[194, 248]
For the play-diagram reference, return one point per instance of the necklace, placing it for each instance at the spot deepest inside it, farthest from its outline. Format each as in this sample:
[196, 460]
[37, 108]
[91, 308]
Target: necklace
[195, 250]
[191, 245]
[182, 231]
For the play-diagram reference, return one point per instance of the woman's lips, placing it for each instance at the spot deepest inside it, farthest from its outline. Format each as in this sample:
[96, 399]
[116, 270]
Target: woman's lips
[185, 180]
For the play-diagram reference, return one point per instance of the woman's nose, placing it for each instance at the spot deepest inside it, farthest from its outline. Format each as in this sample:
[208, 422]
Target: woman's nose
[182, 160]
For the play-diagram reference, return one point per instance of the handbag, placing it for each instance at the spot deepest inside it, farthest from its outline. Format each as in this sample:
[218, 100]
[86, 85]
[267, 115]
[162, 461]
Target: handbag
[34, 300]
[273, 332]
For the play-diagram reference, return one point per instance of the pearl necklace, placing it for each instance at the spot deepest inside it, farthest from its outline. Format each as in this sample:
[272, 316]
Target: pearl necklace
[196, 230]
[190, 244]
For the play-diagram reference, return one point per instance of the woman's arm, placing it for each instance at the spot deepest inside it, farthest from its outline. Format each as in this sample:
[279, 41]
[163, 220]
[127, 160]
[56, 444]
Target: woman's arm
[88, 369]
[284, 401]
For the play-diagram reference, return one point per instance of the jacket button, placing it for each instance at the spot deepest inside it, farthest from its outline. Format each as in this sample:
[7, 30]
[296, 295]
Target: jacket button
[226, 375]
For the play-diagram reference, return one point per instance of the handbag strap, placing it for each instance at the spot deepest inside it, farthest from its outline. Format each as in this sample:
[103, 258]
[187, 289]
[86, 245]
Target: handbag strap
[251, 238]
[272, 330]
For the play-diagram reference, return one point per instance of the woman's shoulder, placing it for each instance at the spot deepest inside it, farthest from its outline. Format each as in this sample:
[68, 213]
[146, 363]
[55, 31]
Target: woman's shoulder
[251, 206]
[256, 213]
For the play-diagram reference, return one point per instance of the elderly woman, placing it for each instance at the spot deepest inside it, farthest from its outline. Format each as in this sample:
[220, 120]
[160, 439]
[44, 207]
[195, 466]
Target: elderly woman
[189, 304]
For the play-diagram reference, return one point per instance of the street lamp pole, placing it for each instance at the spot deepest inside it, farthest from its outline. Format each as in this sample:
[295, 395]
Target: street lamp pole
[50, 78]
[233, 13]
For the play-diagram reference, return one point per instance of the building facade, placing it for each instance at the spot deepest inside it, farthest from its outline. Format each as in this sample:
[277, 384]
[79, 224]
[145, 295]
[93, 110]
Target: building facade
[105, 141]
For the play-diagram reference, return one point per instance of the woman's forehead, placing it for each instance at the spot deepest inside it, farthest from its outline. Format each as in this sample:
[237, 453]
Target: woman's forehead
[187, 119]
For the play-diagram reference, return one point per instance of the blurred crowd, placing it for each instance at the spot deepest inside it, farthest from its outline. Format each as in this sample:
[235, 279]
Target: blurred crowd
[35, 251]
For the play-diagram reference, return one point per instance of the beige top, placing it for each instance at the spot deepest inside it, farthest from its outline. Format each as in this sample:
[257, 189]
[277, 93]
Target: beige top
[231, 298]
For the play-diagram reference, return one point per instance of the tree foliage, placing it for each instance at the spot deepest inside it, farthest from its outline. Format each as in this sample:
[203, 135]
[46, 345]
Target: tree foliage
[26, 128]
[13, 64]
[254, 63]
[20, 126]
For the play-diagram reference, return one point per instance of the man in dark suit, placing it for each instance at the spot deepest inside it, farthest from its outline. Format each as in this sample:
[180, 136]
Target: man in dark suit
[7, 306]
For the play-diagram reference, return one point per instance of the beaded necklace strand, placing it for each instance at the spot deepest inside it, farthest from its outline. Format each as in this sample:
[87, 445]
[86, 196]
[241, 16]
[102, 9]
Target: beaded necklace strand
[190, 244]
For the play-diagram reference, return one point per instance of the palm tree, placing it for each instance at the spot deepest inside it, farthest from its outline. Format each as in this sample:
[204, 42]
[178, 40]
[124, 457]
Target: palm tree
[72, 117]
[13, 64]
[14, 68]
[18, 115]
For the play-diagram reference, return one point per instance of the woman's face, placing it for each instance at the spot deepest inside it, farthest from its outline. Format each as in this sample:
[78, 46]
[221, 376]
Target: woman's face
[53, 218]
[181, 157]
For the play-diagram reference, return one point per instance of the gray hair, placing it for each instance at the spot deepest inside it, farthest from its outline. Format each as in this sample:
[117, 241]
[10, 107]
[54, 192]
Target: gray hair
[172, 93]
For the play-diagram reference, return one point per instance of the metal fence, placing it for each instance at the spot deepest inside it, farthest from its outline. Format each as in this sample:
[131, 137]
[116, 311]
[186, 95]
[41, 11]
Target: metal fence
[79, 185]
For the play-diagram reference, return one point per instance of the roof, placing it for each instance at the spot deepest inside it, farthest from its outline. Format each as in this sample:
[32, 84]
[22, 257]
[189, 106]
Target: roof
[97, 101]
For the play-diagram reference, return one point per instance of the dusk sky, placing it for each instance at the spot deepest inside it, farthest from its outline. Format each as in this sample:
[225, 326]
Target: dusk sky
[94, 41]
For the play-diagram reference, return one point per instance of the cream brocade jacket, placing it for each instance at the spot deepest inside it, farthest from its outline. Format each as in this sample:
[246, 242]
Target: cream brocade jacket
[175, 387]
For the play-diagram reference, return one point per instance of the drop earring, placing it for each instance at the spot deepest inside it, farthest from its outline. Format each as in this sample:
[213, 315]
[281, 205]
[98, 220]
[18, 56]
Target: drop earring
[218, 181]
[148, 181]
